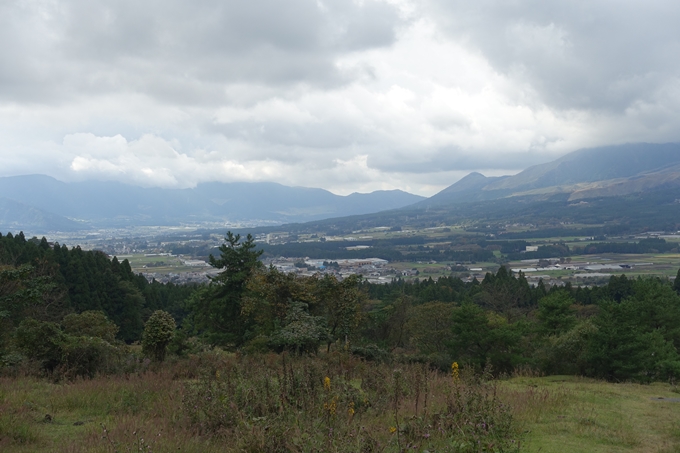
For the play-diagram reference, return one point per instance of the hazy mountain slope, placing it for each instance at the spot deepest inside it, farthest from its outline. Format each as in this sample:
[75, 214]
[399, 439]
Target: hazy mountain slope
[380, 200]
[608, 166]
[469, 187]
[116, 204]
[642, 186]
[593, 164]
[16, 216]
[104, 200]
[668, 178]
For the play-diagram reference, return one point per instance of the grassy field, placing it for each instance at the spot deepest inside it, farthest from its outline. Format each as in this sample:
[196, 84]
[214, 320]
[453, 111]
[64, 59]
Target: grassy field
[174, 408]
[584, 415]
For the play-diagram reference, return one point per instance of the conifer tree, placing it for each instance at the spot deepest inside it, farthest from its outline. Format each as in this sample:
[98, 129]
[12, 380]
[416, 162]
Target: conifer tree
[217, 309]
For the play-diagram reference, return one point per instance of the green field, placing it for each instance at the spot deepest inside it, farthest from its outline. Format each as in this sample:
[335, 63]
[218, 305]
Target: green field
[584, 415]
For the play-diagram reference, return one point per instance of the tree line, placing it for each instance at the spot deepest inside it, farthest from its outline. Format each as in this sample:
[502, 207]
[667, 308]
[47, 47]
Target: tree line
[57, 302]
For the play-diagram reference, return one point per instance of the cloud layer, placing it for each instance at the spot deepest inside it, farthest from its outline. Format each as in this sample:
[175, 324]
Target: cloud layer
[345, 95]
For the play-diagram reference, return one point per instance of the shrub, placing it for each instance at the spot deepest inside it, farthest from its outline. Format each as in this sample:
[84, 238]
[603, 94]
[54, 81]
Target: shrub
[67, 355]
[90, 324]
[41, 341]
[158, 332]
[87, 356]
[371, 352]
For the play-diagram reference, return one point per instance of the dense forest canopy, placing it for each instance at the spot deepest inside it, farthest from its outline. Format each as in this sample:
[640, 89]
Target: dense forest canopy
[53, 300]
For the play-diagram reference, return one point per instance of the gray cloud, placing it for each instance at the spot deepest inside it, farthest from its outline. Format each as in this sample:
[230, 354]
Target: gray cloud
[452, 159]
[180, 51]
[346, 95]
[582, 54]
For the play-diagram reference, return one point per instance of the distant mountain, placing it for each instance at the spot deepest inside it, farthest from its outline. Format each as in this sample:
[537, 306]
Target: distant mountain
[16, 216]
[467, 187]
[629, 187]
[271, 201]
[113, 204]
[594, 164]
[613, 170]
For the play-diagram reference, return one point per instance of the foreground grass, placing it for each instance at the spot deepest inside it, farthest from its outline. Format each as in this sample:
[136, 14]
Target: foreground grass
[584, 415]
[148, 411]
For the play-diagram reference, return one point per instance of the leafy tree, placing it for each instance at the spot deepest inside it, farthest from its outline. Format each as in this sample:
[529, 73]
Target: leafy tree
[158, 332]
[480, 337]
[301, 331]
[619, 287]
[90, 324]
[341, 304]
[397, 321]
[269, 295]
[566, 353]
[124, 305]
[505, 293]
[622, 349]
[676, 283]
[430, 327]
[217, 310]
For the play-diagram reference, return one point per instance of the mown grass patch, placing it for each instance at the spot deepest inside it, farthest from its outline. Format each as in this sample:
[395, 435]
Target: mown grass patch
[584, 415]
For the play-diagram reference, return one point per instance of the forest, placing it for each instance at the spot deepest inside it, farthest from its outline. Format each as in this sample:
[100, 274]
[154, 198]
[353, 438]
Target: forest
[61, 306]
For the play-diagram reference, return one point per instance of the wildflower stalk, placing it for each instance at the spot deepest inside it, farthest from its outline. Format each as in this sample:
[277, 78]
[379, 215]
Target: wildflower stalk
[397, 383]
[455, 375]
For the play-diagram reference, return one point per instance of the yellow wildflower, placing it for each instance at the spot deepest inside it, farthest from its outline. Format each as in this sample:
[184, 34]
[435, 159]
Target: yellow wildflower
[393, 429]
[454, 371]
[350, 411]
[327, 383]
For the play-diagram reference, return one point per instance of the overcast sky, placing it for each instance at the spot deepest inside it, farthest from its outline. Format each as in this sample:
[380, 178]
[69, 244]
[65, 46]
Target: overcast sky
[340, 94]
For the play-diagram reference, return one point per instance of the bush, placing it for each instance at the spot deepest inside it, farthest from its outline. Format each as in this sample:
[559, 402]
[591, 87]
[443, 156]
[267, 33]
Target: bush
[87, 356]
[371, 352]
[158, 332]
[90, 324]
[67, 355]
[41, 341]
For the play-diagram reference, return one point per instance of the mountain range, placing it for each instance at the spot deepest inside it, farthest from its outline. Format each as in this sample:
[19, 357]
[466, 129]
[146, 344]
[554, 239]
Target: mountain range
[42, 203]
[586, 173]
[629, 187]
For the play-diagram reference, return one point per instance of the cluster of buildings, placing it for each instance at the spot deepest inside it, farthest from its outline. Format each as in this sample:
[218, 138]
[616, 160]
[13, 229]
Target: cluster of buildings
[181, 278]
[372, 268]
[586, 267]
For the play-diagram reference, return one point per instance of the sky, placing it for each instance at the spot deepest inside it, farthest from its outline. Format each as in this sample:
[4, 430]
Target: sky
[350, 96]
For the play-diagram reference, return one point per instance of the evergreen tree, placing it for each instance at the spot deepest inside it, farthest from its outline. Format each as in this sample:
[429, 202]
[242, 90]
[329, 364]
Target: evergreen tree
[555, 313]
[217, 309]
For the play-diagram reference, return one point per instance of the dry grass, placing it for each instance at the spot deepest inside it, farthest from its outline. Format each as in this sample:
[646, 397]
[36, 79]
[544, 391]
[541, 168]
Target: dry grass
[276, 407]
[269, 403]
